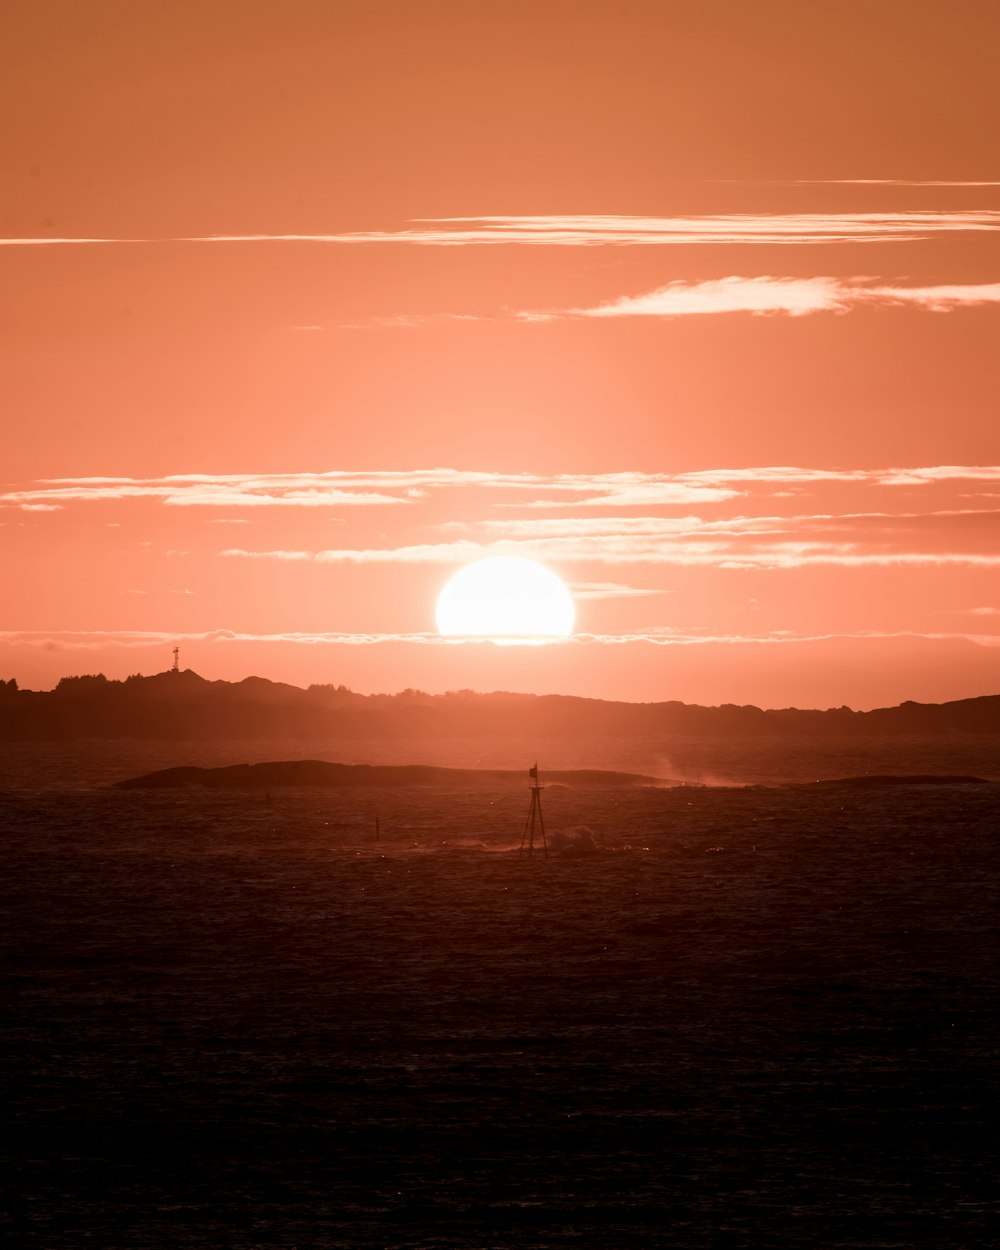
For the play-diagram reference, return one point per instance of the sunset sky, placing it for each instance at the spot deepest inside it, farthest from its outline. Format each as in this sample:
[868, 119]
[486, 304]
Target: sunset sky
[307, 305]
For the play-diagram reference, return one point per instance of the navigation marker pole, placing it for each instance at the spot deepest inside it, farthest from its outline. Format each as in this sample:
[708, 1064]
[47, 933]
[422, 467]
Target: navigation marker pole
[534, 812]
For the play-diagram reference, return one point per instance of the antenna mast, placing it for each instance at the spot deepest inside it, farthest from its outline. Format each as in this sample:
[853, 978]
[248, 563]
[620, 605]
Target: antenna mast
[534, 814]
[177, 664]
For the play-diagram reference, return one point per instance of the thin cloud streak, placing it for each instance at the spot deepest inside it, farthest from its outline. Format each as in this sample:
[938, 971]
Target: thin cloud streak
[768, 295]
[885, 182]
[613, 590]
[96, 640]
[351, 489]
[378, 488]
[193, 494]
[587, 230]
[616, 549]
[653, 493]
[583, 527]
[942, 473]
[778, 638]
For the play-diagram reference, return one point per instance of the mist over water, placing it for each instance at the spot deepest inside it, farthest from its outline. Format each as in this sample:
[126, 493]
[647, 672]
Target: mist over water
[712, 1017]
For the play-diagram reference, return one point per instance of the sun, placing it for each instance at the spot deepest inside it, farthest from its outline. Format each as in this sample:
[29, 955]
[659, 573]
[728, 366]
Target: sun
[505, 599]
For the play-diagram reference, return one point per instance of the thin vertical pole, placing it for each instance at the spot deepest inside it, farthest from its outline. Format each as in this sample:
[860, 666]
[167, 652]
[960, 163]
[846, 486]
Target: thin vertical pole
[534, 812]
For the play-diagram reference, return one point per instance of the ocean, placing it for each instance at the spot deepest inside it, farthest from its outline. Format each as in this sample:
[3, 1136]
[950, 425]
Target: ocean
[742, 1015]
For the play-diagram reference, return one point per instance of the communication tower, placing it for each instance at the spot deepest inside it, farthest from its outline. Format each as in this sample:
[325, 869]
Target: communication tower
[177, 662]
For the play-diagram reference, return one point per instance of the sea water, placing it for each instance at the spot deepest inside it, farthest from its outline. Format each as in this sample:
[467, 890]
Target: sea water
[743, 1016]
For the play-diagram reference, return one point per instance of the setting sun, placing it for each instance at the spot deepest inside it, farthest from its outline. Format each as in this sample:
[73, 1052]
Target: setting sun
[505, 599]
[500, 663]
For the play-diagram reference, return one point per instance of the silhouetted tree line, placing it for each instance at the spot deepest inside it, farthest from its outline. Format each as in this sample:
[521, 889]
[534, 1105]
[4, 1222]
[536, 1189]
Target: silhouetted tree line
[85, 682]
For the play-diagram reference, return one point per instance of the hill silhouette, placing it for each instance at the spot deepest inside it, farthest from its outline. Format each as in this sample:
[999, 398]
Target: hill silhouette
[183, 706]
[323, 773]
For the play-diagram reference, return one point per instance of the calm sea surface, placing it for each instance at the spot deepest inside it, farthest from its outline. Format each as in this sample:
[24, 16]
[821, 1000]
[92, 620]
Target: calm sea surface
[747, 1017]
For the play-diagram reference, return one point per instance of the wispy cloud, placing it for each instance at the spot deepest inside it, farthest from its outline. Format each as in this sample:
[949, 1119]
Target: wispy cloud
[767, 476]
[941, 473]
[91, 640]
[627, 490]
[63, 241]
[886, 182]
[352, 489]
[348, 489]
[879, 538]
[196, 492]
[582, 527]
[589, 230]
[589, 526]
[413, 553]
[613, 590]
[102, 640]
[680, 638]
[733, 551]
[767, 295]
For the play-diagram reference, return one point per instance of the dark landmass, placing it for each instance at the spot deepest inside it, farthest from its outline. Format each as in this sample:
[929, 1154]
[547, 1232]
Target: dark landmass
[321, 773]
[182, 706]
[882, 781]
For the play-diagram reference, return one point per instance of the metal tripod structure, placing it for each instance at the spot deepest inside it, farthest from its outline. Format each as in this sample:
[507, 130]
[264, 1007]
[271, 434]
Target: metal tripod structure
[534, 816]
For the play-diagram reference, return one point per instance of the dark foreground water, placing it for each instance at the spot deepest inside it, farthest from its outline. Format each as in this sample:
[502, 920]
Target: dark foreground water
[756, 1018]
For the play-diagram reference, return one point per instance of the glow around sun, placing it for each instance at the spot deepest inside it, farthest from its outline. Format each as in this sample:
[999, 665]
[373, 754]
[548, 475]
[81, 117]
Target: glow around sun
[505, 599]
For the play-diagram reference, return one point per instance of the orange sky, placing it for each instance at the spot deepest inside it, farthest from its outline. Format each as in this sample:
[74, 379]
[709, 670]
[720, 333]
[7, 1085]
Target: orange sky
[306, 304]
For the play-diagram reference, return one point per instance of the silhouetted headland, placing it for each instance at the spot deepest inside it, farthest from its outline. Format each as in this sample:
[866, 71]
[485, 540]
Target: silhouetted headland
[182, 706]
[321, 773]
[882, 781]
